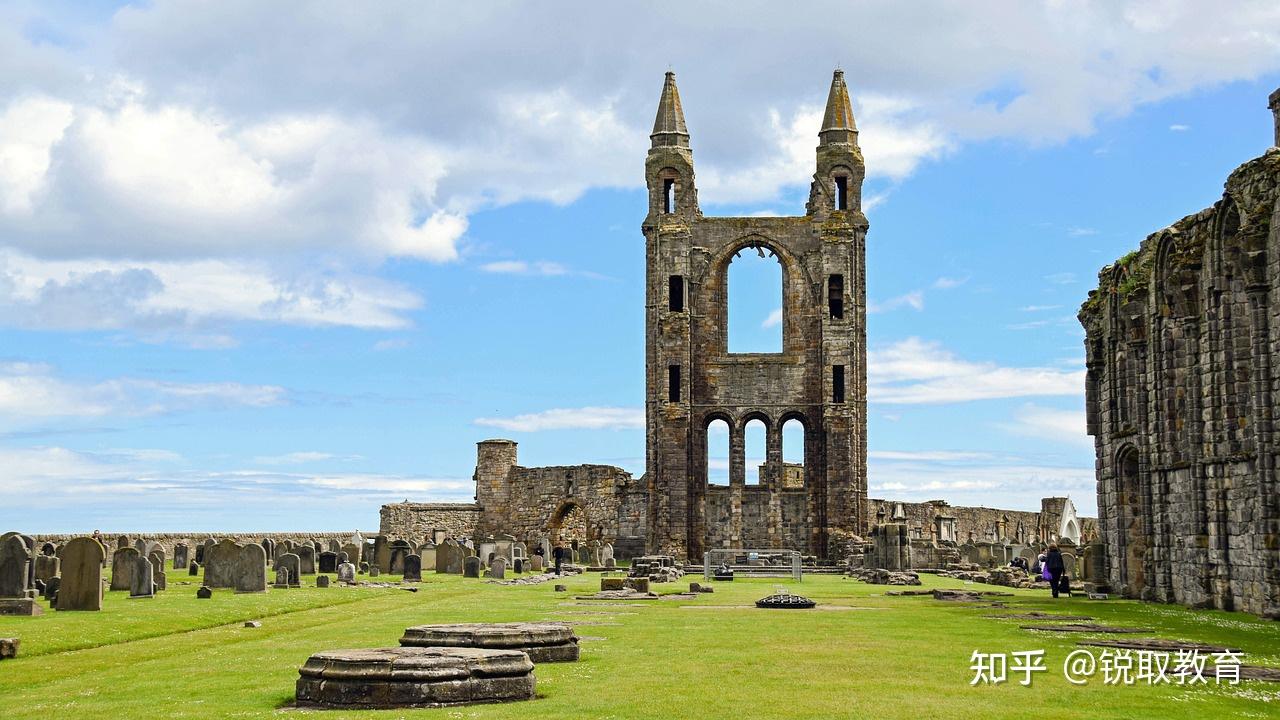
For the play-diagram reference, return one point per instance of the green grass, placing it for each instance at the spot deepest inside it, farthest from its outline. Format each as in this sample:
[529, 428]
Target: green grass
[710, 657]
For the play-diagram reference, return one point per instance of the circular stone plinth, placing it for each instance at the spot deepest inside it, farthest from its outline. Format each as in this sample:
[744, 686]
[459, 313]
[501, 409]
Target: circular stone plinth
[544, 642]
[413, 677]
[785, 602]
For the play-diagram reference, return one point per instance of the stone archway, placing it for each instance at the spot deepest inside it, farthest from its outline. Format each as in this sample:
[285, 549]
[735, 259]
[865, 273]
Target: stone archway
[1131, 524]
[569, 523]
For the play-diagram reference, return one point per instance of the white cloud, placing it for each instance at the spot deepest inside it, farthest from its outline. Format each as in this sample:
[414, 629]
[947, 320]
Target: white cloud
[934, 455]
[1064, 426]
[32, 391]
[773, 320]
[914, 371]
[1179, 128]
[1081, 231]
[521, 267]
[586, 418]
[1003, 481]
[1062, 278]
[1039, 308]
[913, 300]
[29, 127]
[947, 283]
[303, 457]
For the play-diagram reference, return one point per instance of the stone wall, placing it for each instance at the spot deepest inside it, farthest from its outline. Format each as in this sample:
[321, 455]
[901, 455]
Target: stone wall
[979, 524]
[168, 540]
[755, 500]
[418, 521]
[1181, 337]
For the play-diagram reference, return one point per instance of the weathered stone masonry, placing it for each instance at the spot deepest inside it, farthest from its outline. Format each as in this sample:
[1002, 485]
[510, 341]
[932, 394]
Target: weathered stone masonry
[819, 377]
[1181, 341]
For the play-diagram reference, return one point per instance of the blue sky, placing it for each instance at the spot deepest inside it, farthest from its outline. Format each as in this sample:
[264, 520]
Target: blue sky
[261, 272]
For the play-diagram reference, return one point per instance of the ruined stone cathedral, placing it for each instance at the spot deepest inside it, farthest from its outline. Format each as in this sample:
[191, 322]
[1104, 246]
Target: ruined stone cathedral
[819, 378]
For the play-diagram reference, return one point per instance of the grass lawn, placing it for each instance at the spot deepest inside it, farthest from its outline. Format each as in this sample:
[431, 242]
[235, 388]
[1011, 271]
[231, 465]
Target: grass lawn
[710, 657]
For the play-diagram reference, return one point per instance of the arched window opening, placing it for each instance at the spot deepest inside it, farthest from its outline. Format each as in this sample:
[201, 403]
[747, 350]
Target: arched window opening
[755, 301]
[668, 195]
[756, 452]
[718, 452]
[835, 296]
[842, 192]
[792, 454]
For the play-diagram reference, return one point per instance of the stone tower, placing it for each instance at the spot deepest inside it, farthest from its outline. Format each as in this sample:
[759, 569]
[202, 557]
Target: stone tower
[494, 461]
[819, 378]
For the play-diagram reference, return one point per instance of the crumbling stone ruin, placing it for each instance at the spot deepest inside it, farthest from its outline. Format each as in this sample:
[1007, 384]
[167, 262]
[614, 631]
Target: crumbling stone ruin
[1181, 337]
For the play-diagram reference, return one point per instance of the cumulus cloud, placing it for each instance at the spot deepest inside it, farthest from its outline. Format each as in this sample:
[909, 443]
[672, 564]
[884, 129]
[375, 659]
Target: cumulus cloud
[586, 418]
[774, 319]
[1063, 426]
[993, 480]
[913, 300]
[915, 371]
[522, 267]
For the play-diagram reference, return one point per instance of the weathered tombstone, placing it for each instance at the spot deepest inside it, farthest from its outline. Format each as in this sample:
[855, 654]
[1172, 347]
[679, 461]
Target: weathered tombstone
[504, 546]
[306, 559]
[412, 568]
[251, 569]
[123, 541]
[353, 553]
[517, 566]
[181, 556]
[50, 590]
[282, 576]
[142, 584]
[328, 562]
[15, 567]
[158, 579]
[269, 547]
[364, 568]
[374, 571]
[46, 566]
[487, 549]
[286, 545]
[291, 564]
[193, 569]
[606, 554]
[203, 555]
[334, 547]
[49, 550]
[381, 553]
[346, 572]
[584, 555]
[123, 562]
[427, 553]
[445, 554]
[498, 570]
[220, 564]
[204, 593]
[535, 563]
[322, 581]
[81, 585]
[140, 545]
[471, 567]
[399, 551]
[1069, 564]
[519, 550]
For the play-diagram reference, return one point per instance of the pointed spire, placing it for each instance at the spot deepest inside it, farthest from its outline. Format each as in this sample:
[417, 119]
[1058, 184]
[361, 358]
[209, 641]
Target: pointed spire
[668, 127]
[837, 124]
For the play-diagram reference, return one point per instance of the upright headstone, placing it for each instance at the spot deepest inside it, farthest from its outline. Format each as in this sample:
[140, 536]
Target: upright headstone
[399, 551]
[282, 576]
[412, 568]
[123, 541]
[381, 553]
[15, 567]
[158, 578]
[346, 572]
[220, 564]
[204, 593]
[606, 553]
[584, 555]
[505, 546]
[193, 569]
[353, 553]
[306, 558]
[251, 569]
[427, 553]
[49, 549]
[81, 586]
[498, 570]
[46, 566]
[328, 562]
[123, 564]
[374, 571]
[269, 548]
[290, 563]
[517, 566]
[535, 563]
[142, 584]
[334, 547]
[471, 567]
[181, 556]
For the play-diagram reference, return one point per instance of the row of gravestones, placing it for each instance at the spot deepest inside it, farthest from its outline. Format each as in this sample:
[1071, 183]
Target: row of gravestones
[183, 555]
[75, 582]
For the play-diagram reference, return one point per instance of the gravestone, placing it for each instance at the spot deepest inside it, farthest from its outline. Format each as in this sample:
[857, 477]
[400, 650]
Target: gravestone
[50, 590]
[81, 585]
[1069, 564]
[328, 562]
[498, 570]
[123, 562]
[220, 564]
[142, 584]
[306, 559]
[535, 563]
[123, 541]
[606, 554]
[471, 567]
[322, 581]
[517, 566]
[506, 547]
[584, 555]
[334, 547]
[15, 567]
[399, 551]
[291, 564]
[181, 556]
[269, 547]
[282, 576]
[159, 580]
[204, 593]
[353, 553]
[381, 553]
[374, 571]
[251, 569]
[412, 568]
[193, 569]
[346, 572]
[519, 550]
[49, 549]
[46, 567]
[487, 549]
[364, 568]
[449, 558]
[610, 564]
[286, 546]
[427, 555]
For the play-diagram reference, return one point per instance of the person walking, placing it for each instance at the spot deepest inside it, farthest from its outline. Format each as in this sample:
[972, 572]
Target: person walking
[1056, 567]
[557, 554]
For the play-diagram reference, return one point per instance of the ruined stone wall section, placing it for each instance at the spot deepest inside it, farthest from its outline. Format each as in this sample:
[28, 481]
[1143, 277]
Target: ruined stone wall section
[1181, 337]
[418, 521]
[976, 524]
